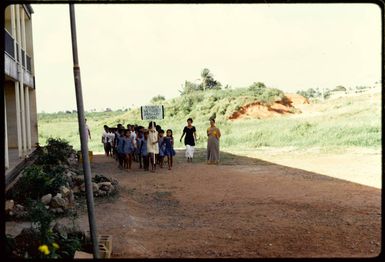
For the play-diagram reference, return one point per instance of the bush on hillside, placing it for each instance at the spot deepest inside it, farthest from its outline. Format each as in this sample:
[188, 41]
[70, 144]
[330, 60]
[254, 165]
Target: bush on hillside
[309, 93]
[190, 87]
[339, 88]
[270, 95]
[157, 99]
[258, 88]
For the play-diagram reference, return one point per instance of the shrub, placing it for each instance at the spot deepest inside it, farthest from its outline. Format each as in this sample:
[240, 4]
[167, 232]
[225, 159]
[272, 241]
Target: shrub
[35, 183]
[56, 152]
[339, 88]
[40, 217]
[156, 99]
[257, 89]
[32, 184]
[270, 95]
[310, 93]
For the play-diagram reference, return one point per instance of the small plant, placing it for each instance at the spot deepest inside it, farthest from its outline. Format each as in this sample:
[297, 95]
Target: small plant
[42, 219]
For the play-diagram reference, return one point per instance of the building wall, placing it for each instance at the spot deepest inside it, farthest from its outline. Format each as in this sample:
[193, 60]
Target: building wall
[11, 113]
[9, 85]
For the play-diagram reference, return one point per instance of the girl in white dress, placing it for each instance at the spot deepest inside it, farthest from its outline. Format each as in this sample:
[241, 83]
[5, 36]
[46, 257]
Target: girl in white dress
[152, 144]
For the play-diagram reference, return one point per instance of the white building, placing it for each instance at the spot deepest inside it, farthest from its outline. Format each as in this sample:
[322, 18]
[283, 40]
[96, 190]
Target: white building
[19, 86]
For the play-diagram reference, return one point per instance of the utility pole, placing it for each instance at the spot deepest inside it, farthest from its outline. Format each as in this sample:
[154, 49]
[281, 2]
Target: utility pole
[83, 135]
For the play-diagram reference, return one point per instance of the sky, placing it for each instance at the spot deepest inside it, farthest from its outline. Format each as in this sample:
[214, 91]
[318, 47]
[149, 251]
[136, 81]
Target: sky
[129, 53]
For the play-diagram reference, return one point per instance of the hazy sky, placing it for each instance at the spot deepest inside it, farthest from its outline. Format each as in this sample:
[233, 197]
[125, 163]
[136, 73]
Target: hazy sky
[129, 53]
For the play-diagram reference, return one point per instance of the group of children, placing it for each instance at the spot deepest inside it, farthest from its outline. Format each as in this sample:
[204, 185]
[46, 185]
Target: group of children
[132, 144]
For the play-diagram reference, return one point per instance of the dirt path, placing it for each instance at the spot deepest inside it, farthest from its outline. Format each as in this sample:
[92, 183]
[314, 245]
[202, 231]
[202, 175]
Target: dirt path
[243, 208]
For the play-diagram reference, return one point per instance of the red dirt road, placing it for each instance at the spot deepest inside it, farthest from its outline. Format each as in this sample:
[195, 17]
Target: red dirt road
[242, 208]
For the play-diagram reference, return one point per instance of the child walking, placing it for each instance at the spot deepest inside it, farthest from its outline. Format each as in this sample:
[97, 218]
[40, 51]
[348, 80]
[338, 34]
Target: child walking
[161, 148]
[139, 141]
[106, 141]
[169, 151]
[143, 151]
[152, 144]
[128, 149]
[111, 138]
[120, 147]
[116, 138]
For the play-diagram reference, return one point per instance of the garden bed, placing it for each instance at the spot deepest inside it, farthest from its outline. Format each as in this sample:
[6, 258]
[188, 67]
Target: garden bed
[48, 189]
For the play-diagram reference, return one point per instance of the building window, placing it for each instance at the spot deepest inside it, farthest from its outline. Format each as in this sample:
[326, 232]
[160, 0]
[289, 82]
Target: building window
[9, 47]
[22, 57]
[29, 63]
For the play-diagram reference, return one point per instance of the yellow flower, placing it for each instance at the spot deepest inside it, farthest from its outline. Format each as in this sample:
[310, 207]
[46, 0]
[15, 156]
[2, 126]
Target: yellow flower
[44, 249]
[55, 246]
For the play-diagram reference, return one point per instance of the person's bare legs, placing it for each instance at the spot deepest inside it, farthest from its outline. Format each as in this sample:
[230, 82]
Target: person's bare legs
[125, 161]
[129, 161]
[153, 162]
[161, 160]
[169, 162]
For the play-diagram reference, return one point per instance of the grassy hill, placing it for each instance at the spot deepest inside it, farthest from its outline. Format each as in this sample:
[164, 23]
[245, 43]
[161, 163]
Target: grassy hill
[341, 123]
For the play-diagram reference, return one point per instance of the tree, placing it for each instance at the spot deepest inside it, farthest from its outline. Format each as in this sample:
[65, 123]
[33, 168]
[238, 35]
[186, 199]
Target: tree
[208, 81]
[310, 93]
[258, 88]
[156, 99]
[339, 88]
[190, 87]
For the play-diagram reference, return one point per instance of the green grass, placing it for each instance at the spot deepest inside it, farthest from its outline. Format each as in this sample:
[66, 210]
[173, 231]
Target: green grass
[339, 123]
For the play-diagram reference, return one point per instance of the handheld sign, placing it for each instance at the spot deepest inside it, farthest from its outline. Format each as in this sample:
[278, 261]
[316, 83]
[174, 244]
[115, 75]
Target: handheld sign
[152, 112]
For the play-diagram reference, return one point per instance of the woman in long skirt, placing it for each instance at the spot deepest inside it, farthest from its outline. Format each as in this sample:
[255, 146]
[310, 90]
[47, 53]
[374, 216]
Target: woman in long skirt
[213, 134]
[189, 139]
[152, 145]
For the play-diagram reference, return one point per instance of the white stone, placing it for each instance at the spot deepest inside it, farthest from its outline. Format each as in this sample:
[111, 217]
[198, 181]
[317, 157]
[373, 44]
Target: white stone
[46, 199]
[9, 205]
[64, 191]
[105, 184]
[58, 202]
[95, 187]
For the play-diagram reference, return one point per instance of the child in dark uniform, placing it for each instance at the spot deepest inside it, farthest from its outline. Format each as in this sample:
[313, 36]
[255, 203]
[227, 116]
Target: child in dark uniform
[160, 156]
[120, 147]
[128, 149]
[169, 151]
[143, 151]
[139, 141]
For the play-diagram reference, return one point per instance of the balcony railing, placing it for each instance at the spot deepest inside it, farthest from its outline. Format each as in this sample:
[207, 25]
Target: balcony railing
[10, 66]
[28, 79]
[11, 53]
[8, 45]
